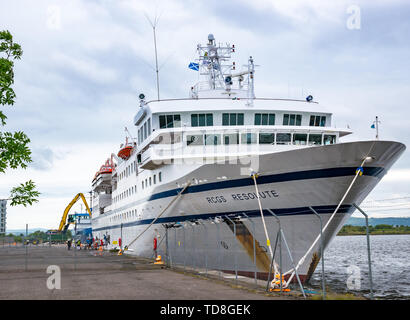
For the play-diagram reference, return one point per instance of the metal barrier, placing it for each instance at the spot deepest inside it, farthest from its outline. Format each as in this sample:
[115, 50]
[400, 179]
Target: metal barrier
[322, 249]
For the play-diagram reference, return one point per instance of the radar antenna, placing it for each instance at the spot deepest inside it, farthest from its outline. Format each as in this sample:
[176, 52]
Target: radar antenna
[214, 64]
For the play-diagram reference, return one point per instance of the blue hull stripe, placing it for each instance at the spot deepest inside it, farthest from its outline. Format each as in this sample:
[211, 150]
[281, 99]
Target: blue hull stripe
[249, 213]
[274, 178]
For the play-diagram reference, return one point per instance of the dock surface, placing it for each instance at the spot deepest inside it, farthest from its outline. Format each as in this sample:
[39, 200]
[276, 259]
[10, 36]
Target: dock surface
[104, 275]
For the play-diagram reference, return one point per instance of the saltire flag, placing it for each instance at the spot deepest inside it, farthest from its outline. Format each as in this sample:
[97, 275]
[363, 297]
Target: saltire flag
[372, 126]
[194, 66]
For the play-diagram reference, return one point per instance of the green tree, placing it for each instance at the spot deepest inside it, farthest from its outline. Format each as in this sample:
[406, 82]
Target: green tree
[14, 150]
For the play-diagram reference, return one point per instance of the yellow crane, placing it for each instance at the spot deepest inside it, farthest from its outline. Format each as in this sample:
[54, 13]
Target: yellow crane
[67, 209]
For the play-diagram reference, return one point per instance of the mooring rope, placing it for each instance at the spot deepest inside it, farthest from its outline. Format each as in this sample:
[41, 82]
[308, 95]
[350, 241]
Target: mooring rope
[331, 217]
[162, 212]
[264, 224]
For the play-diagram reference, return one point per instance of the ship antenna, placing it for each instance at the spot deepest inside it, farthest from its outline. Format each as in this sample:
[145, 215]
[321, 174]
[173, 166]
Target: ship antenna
[154, 25]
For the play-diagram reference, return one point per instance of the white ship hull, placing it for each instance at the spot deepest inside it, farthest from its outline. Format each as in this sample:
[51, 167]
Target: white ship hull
[289, 183]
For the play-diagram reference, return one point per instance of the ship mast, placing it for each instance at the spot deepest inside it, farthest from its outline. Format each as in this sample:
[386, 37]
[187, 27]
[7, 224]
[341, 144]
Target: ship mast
[214, 63]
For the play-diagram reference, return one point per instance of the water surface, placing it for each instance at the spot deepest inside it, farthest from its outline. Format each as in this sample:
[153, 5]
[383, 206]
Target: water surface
[390, 266]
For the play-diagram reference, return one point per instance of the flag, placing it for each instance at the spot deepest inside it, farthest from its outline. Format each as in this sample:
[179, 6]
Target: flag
[194, 66]
[372, 126]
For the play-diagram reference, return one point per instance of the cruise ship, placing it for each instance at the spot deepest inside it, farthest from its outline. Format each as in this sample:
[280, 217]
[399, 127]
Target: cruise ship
[215, 175]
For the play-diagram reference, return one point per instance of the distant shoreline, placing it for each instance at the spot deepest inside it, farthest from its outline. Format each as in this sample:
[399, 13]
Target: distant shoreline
[381, 229]
[372, 234]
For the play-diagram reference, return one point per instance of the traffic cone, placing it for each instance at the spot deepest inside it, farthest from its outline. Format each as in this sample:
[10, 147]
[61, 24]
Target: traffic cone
[158, 260]
[275, 284]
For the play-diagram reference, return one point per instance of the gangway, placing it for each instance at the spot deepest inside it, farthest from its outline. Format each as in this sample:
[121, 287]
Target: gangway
[63, 225]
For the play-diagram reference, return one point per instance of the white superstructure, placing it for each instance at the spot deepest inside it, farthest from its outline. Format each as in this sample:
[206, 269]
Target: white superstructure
[193, 161]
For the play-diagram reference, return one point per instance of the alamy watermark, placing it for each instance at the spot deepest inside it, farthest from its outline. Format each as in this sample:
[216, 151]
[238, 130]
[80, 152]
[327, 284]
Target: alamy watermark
[54, 281]
[353, 22]
[199, 148]
[353, 281]
[53, 17]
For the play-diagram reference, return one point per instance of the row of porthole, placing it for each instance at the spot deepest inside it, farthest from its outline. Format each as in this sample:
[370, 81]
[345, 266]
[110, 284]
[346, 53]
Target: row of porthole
[126, 193]
[133, 189]
[128, 171]
[148, 182]
[125, 215]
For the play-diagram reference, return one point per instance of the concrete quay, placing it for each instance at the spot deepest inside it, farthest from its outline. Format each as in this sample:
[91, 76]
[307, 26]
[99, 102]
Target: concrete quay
[95, 275]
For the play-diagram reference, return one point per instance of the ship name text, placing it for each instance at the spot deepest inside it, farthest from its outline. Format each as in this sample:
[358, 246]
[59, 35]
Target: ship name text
[244, 196]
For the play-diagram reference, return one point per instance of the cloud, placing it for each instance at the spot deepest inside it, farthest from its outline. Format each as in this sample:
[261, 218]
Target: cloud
[85, 68]
[398, 175]
[42, 158]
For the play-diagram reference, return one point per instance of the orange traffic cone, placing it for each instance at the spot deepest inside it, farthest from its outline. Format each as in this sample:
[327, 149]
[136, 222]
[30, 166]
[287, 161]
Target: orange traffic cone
[158, 260]
[276, 284]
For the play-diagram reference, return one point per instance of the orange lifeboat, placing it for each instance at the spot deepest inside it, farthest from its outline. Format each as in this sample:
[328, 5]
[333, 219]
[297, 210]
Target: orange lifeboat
[125, 151]
[108, 167]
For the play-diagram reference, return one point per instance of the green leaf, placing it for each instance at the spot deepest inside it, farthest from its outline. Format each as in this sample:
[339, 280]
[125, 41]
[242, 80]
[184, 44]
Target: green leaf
[14, 151]
[24, 194]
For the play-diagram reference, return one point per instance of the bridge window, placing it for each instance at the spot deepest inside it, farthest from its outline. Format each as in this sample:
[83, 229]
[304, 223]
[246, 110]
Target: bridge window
[231, 138]
[317, 121]
[292, 119]
[160, 176]
[248, 138]
[232, 119]
[194, 139]
[283, 138]
[329, 139]
[212, 139]
[145, 130]
[169, 121]
[202, 120]
[315, 139]
[264, 119]
[266, 138]
[300, 138]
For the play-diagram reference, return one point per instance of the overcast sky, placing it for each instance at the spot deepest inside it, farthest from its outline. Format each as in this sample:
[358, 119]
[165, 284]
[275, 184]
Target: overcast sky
[85, 62]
